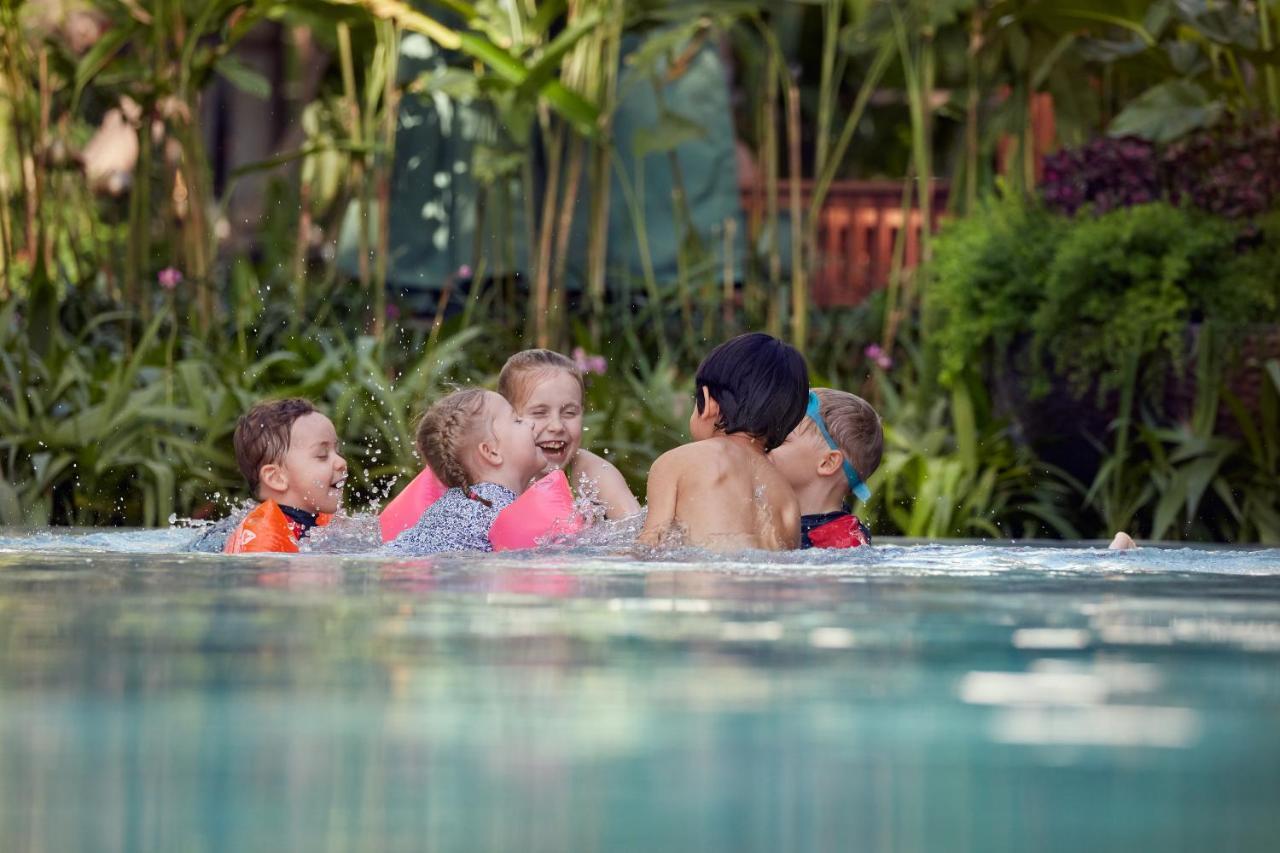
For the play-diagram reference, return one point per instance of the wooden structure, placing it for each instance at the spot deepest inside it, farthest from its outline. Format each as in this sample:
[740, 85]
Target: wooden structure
[858, 228]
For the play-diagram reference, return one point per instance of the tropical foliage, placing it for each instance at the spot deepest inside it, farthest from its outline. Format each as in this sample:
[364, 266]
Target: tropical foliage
[1128, 279]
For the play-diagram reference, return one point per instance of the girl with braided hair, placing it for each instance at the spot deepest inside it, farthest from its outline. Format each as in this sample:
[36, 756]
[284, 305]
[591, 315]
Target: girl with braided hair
[477, 446]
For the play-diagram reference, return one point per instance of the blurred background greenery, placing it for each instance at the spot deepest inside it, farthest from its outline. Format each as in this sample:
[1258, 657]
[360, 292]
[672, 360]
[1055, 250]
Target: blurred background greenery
[1068, 323]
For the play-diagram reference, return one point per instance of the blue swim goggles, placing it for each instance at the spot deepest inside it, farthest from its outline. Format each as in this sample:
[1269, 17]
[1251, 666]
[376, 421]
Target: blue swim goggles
[814, 411]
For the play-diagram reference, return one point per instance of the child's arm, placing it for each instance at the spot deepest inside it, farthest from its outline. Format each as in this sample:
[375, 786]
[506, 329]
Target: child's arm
[614, 492]
[664, 478]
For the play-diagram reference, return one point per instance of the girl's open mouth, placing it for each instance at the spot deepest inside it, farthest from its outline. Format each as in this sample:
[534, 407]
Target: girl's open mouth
[553, 448]
[339, 484]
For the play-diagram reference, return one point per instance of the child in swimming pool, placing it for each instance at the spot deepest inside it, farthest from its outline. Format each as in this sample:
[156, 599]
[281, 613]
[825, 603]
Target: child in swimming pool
[827, 459]
[478, 446]
[546, 389]
[721, 491]
[288, 453]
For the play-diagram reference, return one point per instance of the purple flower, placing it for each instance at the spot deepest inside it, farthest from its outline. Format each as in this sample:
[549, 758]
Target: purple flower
[879, 356]
[589, 363]
[169, 277]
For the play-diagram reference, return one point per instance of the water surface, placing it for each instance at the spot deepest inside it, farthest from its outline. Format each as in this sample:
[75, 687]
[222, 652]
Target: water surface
[921, 698]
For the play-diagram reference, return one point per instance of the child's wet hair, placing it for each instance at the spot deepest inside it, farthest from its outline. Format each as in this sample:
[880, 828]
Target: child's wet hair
[855, 426]
[761, 385]
[443, 431]
[513, 378]
[262, 436]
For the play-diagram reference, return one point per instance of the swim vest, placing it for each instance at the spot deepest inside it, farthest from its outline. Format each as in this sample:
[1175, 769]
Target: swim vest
[268, 529]
[545, 509]
[843, 532]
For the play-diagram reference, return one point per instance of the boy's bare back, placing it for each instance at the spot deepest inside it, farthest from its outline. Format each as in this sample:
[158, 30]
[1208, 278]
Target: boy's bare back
[721, 493]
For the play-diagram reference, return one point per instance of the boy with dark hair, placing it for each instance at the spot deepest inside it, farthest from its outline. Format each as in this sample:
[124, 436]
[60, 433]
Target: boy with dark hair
[288, 453]
[827, 460]
[721, 491]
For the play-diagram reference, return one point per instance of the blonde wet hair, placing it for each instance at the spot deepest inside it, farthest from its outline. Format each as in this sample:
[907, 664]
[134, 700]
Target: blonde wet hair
[443, 433]
[520, 368]
[855, 426]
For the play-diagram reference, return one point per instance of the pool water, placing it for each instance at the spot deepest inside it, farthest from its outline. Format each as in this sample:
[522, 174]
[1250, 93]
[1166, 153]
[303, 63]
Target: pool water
[914, 698]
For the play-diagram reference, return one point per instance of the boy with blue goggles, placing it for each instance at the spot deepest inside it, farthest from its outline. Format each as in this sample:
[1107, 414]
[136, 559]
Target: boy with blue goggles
[827, 459]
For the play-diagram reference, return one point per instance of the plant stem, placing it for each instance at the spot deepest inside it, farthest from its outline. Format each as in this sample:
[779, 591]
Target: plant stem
[600, 176]
[358, 178]
[827, 173]
[390, 35]
[895, 307]
[646, 257]
[726, 296]
[799, 283]
[568, 205]
[1269, 70]
[684, 236]
[773, 321]
[479, 257]
[971, 145]
[827, 84]
[546, 229]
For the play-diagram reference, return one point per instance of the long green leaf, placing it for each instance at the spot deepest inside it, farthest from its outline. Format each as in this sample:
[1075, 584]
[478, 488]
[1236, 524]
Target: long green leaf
[548, 64]
[100, 56]
[577, 110]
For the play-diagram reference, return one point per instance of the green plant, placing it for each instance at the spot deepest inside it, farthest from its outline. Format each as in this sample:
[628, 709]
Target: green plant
[85, 441]
[1125, 285]
[951, 469]
[1189, 63]
[987, 279]
[1089, 294]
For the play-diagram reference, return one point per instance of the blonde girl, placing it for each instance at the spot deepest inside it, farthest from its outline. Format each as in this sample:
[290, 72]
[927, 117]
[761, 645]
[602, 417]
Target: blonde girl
[478, 446]
[547, 389]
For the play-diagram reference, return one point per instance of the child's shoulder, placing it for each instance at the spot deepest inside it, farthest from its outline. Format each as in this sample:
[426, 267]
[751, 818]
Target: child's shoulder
[590, 464]
[701, 452]
[675, 454]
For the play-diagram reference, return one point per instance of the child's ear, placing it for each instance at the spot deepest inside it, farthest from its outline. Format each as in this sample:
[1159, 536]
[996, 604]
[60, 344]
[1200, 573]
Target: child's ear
[274, 477]
[830, 463]
[710, 408]
[489, 454]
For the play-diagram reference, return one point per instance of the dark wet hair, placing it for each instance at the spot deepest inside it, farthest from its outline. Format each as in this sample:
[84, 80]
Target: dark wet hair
[760, 384]
[262, 436]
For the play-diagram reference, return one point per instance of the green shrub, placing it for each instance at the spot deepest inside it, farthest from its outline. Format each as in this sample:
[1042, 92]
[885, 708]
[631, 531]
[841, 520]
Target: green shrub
[987, 278]
[1091, 294]
[1126, 285]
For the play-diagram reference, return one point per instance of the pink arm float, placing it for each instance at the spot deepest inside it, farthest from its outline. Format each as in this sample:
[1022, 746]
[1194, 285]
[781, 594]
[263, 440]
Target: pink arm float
[545, 508]
[404, 510]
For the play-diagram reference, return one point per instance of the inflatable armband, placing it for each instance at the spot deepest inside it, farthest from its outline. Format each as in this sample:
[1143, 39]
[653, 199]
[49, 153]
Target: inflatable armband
[404, 510]
[545, 509]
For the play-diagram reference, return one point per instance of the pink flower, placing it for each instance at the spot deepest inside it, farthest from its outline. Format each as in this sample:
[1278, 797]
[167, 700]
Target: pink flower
[879, 356]
[589, 363]
[464, 272]
[169, 277]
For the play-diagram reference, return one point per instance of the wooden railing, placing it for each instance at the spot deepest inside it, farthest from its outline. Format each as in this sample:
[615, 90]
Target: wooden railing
[857, 229]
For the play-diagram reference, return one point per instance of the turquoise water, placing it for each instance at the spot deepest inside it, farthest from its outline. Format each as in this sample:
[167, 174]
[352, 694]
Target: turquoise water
[958, 698]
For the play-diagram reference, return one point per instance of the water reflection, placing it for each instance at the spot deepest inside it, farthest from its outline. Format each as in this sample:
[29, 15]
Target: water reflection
[914, 699]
